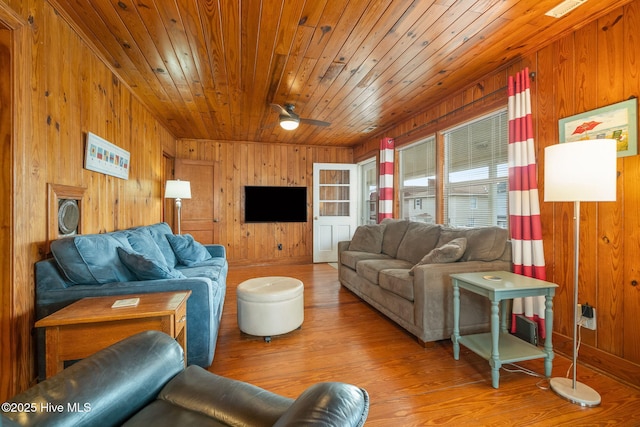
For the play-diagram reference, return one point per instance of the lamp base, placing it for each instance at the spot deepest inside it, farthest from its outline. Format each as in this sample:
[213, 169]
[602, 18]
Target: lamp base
[582, 395]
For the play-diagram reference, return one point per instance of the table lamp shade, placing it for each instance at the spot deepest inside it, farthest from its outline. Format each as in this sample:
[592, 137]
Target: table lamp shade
[581, 171]
[176, 189]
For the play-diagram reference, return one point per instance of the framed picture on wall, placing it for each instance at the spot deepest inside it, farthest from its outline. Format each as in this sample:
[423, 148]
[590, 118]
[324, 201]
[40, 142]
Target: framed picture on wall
[617, 121]
[102, 156]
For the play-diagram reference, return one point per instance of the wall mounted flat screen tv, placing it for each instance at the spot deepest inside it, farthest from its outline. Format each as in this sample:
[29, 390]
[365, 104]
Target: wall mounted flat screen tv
[275, 204]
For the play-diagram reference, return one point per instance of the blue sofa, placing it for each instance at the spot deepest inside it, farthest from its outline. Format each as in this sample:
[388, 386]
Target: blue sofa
[137, 260]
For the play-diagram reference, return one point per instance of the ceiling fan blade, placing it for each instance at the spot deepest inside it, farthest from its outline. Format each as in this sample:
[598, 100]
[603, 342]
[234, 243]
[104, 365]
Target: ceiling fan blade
[280, 110]
[269, 126]
[314, 122]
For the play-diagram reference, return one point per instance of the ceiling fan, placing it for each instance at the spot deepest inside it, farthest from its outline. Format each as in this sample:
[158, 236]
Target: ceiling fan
[290, 120]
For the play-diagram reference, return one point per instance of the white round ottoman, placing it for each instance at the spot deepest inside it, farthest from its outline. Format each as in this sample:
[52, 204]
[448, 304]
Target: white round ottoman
[270, 306]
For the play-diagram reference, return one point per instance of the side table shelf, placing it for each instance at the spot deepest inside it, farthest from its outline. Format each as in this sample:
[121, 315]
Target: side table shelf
[512, 349]
[499, 346]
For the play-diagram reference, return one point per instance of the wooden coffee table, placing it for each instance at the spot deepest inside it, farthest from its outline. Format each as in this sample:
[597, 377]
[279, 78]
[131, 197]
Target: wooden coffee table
[90, 324]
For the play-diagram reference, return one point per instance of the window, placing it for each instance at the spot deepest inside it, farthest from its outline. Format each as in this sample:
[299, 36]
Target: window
[476, 172]
[473, 203]
[368, 194]
[333, 190]
[417, 190]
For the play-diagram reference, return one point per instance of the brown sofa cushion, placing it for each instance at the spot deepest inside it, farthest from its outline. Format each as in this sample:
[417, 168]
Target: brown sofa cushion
[418, 241]
[449, 252]
[397, 281]
[367, 238]
[352, 258]
[483, 243]
[393, 234]
[371, 268]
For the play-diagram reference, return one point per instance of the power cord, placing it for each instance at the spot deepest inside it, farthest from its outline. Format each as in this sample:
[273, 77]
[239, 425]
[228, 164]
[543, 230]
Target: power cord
[543, 384]
[580, 323]
[521, 369]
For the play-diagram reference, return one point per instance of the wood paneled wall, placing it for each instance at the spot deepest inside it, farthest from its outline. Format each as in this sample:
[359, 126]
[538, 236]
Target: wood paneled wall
[591, 68]
[64, 91]
[594, 66]
[237, 164]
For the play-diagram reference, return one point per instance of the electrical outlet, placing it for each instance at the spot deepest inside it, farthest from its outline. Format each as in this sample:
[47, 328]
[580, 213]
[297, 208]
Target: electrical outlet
[589, 323]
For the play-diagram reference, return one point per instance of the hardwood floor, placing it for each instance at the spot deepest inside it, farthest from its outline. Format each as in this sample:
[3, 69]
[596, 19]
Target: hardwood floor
[344, 339]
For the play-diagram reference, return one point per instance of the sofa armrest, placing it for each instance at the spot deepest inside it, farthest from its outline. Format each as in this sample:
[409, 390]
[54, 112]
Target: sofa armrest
[433, 295]
[342, 246]
[328, 404]
[435, 275]
[107, 387]
[49, 276]
[216, 251]
[232, 402]
[229, 401]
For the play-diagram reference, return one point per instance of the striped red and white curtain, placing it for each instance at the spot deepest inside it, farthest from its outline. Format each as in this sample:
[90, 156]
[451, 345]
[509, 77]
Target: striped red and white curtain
[524, 203]
[385, 199]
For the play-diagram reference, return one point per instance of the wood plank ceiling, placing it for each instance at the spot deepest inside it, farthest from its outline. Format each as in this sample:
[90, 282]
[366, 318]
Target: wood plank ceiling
[210, 69]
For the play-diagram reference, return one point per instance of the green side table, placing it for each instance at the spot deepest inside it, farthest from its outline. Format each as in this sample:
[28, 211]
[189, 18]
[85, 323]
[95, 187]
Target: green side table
[499, 346]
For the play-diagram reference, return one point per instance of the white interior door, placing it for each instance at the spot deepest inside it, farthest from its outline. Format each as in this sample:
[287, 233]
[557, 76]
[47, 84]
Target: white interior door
[335, 213]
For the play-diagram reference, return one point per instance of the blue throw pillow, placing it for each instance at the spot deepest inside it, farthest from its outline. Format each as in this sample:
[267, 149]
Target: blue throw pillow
[187, 250]
[157, 232]
[143, 243]
[98, 251]
[145, 268]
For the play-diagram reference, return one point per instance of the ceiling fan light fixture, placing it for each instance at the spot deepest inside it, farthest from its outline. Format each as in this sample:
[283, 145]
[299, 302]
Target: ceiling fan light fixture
[289, 123]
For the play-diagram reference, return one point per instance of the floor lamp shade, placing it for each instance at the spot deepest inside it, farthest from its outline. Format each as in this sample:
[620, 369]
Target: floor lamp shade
[176, 189]
[582, 171]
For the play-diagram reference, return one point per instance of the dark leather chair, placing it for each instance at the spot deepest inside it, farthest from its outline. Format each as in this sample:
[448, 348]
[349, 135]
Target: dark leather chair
[142, 381]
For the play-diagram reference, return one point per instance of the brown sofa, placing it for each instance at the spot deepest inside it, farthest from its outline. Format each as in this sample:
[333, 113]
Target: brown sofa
[402, 269]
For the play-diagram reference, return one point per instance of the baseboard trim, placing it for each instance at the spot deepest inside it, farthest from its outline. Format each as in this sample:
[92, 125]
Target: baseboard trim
[606, 363]
[270, 261]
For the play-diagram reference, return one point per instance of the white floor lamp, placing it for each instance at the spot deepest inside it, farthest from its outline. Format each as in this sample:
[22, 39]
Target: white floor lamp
[176, 189]
[574, 172]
